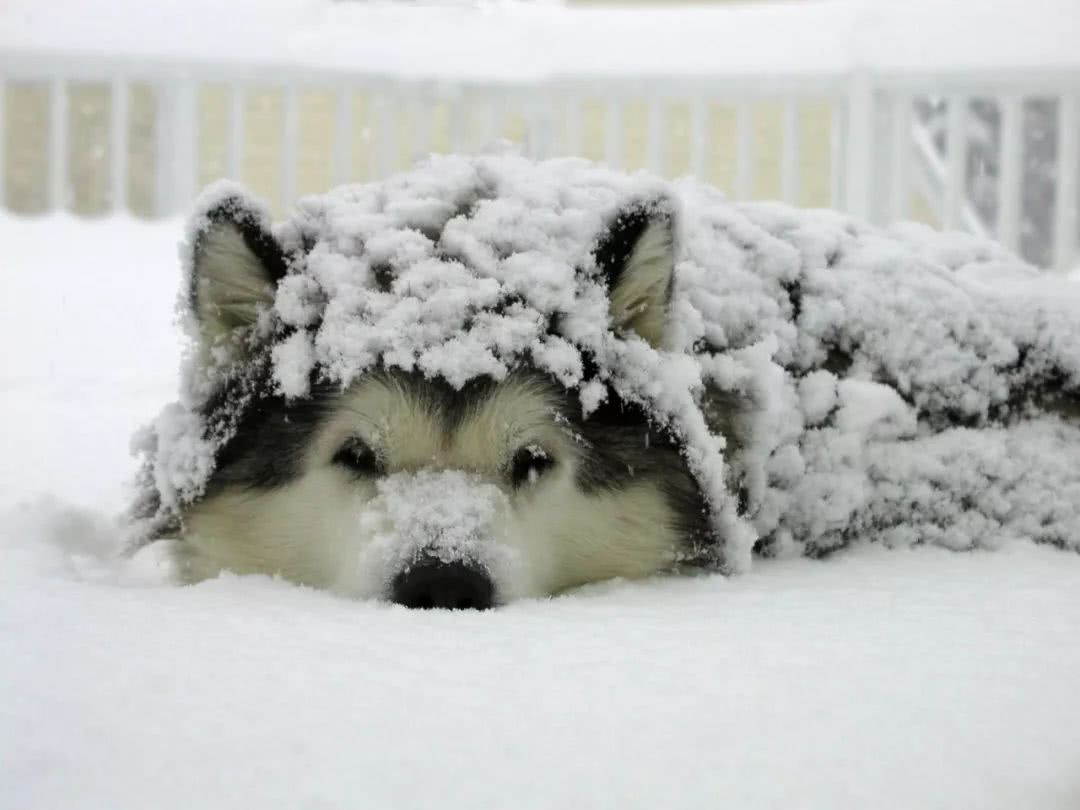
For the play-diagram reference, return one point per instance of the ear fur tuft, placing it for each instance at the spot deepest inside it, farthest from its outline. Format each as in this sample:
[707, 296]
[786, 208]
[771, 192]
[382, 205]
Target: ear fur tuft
[637, 258]
[236, 265]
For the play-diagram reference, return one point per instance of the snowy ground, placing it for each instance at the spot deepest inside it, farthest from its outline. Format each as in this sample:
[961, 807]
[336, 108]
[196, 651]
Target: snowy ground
[885, 680]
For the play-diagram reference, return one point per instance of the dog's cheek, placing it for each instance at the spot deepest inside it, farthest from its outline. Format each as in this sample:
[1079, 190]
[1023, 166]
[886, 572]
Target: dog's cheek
[528, 529]
[353, 525]
[622, 533]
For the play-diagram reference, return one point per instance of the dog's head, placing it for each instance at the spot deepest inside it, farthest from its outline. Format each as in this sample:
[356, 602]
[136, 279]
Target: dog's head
[401, 485]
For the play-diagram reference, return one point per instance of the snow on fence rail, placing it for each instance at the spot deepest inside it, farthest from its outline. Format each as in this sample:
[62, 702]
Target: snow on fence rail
[883, 160]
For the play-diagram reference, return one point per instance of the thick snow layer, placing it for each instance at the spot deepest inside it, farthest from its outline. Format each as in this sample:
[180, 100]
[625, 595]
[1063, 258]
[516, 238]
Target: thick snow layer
[881, 379]
[885, 679]
[493, 42]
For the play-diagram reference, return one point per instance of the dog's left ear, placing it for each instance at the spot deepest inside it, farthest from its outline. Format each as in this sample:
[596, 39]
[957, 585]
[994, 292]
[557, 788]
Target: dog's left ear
[637, 258]
[236, 265]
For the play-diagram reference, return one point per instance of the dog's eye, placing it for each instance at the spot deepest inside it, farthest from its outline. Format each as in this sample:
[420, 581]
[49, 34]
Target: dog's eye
[528, 464]
[359, 459]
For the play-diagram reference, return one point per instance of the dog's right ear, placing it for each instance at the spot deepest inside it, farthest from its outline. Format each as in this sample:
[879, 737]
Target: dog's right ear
[236, 264]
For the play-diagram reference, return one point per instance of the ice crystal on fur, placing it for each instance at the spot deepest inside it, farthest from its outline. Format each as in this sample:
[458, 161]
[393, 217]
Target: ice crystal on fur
[846, 381]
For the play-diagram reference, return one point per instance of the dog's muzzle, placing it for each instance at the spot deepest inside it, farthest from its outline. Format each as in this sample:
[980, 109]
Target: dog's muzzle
[432, 583]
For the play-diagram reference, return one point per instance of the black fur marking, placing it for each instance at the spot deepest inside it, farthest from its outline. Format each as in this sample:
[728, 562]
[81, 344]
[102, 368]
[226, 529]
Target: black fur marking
[623, 446]
[271, 436]
[795, 296]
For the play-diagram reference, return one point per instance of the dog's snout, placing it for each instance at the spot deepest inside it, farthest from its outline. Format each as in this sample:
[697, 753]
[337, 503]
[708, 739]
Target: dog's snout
[437, 584]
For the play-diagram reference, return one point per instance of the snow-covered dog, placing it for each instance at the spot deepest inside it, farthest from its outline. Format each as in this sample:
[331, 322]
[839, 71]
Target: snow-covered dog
[490, 378]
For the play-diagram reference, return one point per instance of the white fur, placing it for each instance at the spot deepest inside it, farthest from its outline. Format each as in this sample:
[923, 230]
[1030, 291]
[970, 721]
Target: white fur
[327, 529]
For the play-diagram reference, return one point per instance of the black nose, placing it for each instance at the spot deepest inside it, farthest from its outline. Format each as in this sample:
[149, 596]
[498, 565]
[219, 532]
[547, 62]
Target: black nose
[437, 584]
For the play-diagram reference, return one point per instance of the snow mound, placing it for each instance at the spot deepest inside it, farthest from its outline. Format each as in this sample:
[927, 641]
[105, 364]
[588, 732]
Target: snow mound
[889, 385]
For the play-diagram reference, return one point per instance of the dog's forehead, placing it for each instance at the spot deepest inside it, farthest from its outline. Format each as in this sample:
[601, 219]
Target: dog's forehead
[415, 420]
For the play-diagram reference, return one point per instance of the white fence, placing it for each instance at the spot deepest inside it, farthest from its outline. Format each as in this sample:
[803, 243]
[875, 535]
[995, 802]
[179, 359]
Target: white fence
[882, 156]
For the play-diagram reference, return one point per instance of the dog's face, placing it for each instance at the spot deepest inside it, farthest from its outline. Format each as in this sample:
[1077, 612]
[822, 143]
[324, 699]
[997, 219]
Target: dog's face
[402, 487]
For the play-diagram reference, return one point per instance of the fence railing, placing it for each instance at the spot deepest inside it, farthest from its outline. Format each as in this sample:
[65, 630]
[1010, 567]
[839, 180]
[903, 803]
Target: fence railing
[870, 152]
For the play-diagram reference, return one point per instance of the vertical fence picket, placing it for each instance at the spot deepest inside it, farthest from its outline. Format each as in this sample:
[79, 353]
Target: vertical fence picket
[290, 138]
[572, 116]
[58, 145]
[176, 122]
[1065, 195]
[613, 134]
[343, 136]
[744, 152]
[858, 148]
[956, 161]
[457, 123]
[1010, 172]
[900, 158]
[789, 153]
[118, 145]
[540, 126]
[234, 151]
[3, 143]
[491, 122]
[384, 158]
[838, 129]
[420, 120]
[656, 137]
[699, 138]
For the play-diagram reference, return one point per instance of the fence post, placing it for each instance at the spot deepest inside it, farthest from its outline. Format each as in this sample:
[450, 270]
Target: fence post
[497, 119]
[573, 143]
[177, 149]
[3, 145]
[1010, 172]
[118, 145]
[290, 140]
[744, 151]
[234, 153]
[900, 157]
[789, 153]
[58, 145]
[383, 126]
[858, 156]
[613, 133]
[1065, 196]
[955, 160]
[541, 127]
[699, 138]
[457, 121]
[656, 136]
[343, 136]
